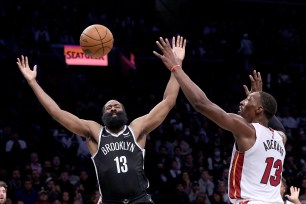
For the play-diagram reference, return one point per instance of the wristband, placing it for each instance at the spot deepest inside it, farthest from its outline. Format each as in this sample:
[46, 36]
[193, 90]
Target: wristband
[174, 66]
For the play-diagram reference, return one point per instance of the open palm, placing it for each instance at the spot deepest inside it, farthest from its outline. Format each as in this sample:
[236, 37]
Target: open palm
[178, 47]
[24, 67]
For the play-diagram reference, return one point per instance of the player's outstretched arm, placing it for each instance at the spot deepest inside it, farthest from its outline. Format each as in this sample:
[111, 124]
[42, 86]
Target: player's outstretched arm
[68, 120]
[198, 98]
[157, 115]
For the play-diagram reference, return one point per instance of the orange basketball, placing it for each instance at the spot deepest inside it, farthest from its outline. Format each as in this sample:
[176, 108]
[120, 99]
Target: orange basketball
[96, 40]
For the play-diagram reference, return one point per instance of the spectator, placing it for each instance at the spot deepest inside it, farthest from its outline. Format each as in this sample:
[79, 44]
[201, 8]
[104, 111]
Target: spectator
[174, 173]
[86, 187]
[3, 192]
[180, 141]
[246, 51]
[206, 184]
[180, 196]
[27, 194]
[14, 183]
[43, 197]
[194, 191]
[38, 184]
[67, 198]
[57, 166]
[178, 156]
[35, 162]
[201, 199]
[217, 198]
[53, 190]
[16, 150]
[64, 182]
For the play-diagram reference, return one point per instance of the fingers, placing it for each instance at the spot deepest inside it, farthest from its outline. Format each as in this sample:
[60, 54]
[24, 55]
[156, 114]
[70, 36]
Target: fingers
[294, 189]
[20, 62]
[160, 46]
[179, 42]
[184, 43]
[162, 41]
[23, 62]
[157, 54]
[163, 44]
[257, 76]
[246, 90]
[173, 41]
[252, 78]
[26, 61]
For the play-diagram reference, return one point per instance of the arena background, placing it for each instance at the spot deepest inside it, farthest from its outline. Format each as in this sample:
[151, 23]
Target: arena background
[39, 29]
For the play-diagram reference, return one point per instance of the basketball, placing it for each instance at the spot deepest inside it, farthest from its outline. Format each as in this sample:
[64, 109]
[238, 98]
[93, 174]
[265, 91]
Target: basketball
[96, 40]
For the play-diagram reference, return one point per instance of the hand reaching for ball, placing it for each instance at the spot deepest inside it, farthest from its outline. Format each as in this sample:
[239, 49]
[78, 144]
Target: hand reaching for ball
[171, 57]
[23, 64]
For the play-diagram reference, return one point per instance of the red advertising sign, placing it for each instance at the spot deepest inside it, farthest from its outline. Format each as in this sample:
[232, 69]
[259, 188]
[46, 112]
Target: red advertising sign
[74, 55]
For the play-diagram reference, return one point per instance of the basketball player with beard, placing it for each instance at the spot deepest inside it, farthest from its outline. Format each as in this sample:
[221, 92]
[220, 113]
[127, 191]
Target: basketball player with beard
[117, 149]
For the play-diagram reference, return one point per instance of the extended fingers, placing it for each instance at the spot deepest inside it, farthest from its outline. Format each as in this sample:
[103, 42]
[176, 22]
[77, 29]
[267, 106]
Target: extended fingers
[294, 189]
[184, 42]
[162, 41]
[26, 61]
[180, 42]
[251, 78]
[163, 44]
[257, 76]
[173, 42]
[246, 90]
[20, 61]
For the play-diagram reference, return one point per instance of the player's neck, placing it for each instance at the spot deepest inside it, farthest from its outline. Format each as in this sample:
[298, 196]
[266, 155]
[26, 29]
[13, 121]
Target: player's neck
[115, 130]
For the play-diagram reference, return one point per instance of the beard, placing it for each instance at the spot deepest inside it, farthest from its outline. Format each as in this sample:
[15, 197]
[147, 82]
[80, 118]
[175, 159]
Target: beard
[114, 123]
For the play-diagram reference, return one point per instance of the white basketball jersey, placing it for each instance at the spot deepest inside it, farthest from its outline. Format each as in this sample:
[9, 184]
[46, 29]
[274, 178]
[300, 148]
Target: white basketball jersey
[255, 175]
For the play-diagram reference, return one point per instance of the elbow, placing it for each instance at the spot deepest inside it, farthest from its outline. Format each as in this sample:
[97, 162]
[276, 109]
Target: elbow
[197, 106]
[201, 105]
[172, 103]
[55, 113]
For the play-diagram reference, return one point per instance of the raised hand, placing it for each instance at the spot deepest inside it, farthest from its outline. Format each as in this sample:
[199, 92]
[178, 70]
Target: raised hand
[169, 56]
[256, 83]
[178, 47]
[24, 67]
[294, 195]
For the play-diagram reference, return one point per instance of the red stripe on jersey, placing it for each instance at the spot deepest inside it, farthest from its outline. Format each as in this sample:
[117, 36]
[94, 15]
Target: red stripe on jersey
[235, 176]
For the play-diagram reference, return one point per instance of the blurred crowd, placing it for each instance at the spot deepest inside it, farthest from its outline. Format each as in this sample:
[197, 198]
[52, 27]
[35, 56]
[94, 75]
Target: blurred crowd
[187, 157]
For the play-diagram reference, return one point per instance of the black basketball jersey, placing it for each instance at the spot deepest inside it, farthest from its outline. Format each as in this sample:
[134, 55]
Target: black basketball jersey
[119, 164]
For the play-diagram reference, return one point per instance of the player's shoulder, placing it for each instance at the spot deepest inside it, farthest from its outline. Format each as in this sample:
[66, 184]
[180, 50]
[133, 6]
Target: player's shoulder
[93, 125]
[137, 124]
[283, 135]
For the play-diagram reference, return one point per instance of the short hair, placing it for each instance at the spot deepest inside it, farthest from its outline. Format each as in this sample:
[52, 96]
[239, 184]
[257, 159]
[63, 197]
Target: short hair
[269, 104]
[3, 184]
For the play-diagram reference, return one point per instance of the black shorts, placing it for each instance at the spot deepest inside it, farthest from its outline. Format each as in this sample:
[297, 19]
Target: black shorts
[142, 199]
